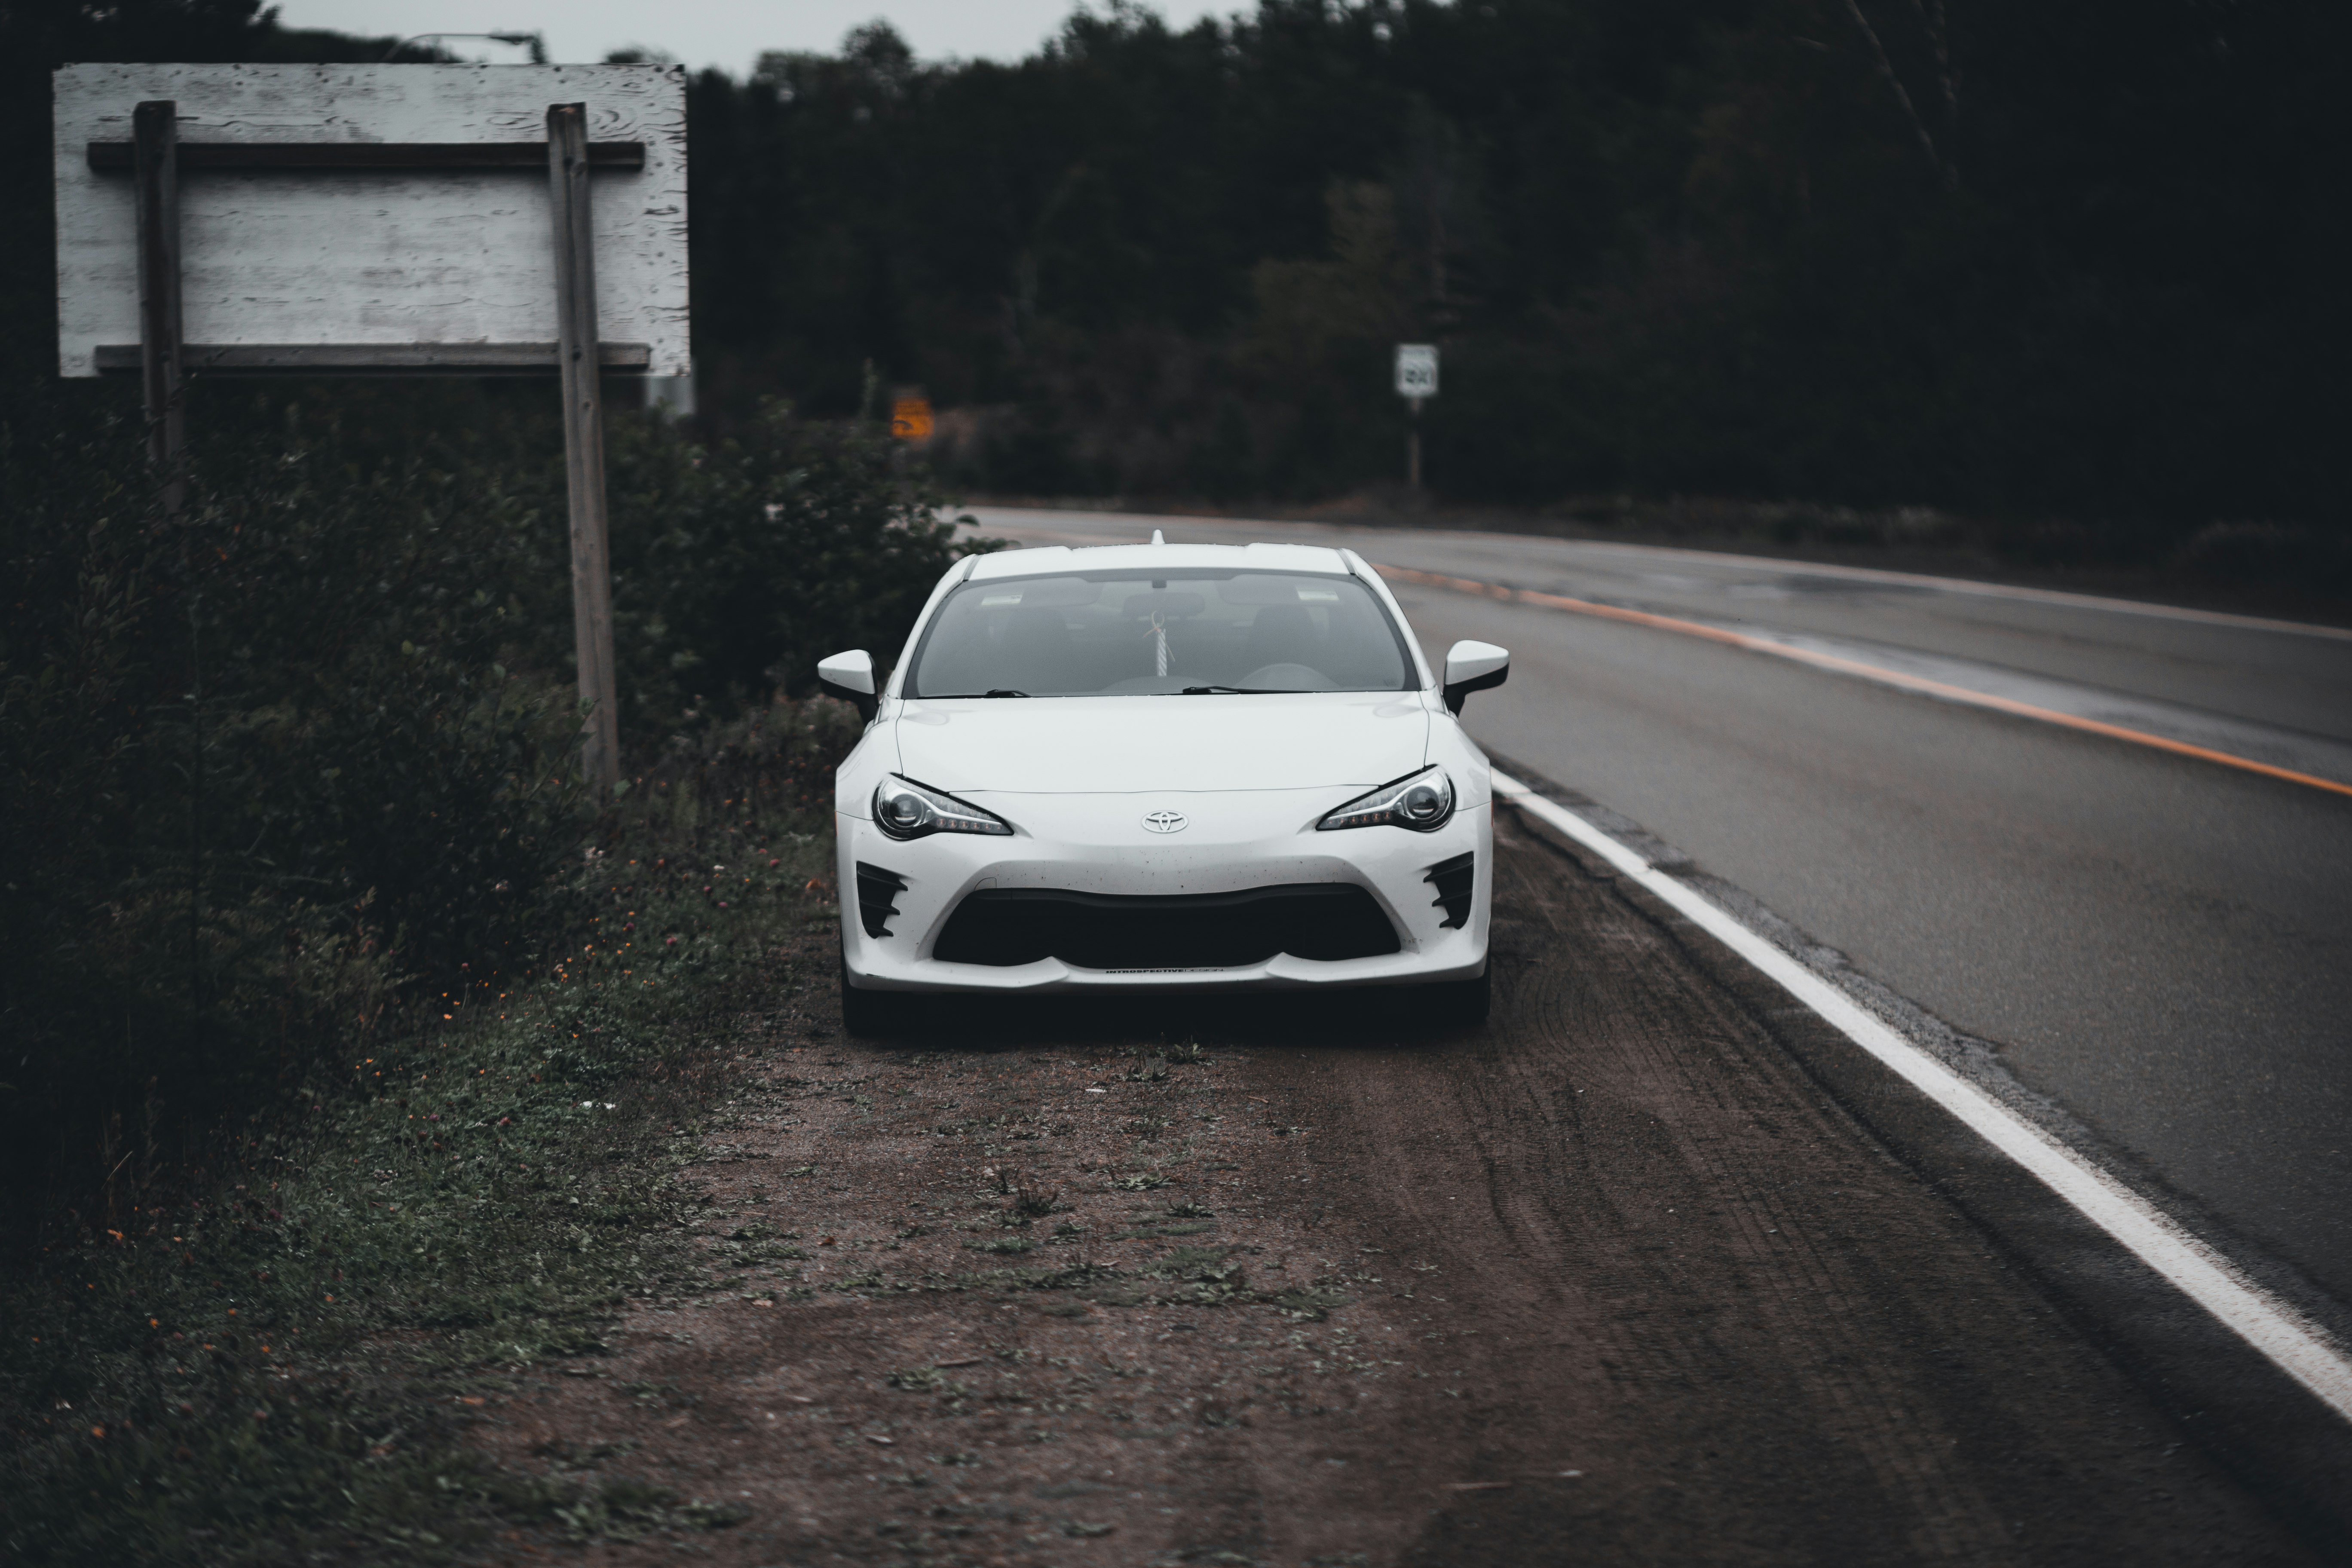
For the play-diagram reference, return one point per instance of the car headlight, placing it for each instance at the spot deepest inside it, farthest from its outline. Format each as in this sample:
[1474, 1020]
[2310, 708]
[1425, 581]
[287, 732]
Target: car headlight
[1422, 802]
[904, 809]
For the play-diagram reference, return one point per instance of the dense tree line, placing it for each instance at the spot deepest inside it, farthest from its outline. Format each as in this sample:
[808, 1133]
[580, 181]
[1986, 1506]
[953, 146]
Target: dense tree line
[1980, 253]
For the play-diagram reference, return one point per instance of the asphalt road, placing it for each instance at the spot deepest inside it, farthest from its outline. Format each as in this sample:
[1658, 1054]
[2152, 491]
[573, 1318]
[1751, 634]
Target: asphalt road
[2160, 945]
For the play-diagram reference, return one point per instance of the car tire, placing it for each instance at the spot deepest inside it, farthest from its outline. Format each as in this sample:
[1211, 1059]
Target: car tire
[870, 1015]
[1462, 1003]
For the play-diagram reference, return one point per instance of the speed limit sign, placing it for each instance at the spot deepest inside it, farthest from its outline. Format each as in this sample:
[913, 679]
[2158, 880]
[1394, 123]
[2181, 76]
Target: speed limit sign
[1416, 370]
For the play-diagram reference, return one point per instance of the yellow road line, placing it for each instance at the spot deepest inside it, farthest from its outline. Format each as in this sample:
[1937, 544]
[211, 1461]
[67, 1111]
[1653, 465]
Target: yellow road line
[1855, 667]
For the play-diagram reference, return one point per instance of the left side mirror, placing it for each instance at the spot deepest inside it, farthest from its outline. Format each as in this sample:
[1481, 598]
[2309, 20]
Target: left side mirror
[850, 677]
[1473, 666]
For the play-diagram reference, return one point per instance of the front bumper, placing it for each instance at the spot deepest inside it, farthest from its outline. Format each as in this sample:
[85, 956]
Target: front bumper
[1232, 841]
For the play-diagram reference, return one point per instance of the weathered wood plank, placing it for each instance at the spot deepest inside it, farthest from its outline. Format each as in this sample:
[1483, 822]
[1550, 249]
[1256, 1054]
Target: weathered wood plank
[115, 157]
[388, 257]
[339, 359]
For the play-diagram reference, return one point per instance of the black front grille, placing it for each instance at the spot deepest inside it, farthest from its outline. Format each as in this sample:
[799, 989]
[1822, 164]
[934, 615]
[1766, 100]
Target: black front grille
[1005, 926]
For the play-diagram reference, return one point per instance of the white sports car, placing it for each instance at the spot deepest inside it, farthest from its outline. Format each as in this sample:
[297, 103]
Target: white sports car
[1162, 766]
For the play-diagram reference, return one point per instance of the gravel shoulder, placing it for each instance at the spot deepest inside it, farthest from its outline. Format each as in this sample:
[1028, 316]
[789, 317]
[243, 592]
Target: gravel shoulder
[1286, 1281]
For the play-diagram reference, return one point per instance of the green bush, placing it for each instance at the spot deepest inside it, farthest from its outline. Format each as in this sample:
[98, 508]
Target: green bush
[277, 1366]
[265, 763]
[258, 759]
[737, 566]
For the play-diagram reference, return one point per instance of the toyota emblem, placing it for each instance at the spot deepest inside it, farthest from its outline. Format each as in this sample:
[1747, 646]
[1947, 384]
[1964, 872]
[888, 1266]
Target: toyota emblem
[1165, 821]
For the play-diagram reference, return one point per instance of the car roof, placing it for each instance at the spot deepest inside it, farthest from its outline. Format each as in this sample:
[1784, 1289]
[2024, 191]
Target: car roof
[1049, 560]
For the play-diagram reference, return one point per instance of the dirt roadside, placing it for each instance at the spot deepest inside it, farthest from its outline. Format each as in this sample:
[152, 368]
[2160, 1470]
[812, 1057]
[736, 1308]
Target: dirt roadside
[1282, 1282]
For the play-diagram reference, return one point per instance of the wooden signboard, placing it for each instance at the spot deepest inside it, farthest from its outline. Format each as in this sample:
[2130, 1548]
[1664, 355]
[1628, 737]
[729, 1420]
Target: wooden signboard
[389, 219]
[381, 218]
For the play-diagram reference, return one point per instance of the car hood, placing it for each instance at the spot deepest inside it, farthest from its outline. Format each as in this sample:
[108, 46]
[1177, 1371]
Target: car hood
[1106, 745]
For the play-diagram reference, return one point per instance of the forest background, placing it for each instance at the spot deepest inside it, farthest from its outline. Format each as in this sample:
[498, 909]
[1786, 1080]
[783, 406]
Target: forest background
[2064, 268]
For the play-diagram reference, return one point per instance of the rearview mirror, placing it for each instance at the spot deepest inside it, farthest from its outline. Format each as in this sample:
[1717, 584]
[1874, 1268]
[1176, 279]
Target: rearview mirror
[850, 677]
[1473, 666]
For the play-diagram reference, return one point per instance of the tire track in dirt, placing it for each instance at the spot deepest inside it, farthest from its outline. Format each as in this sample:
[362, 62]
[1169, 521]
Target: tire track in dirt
[1612, 1281]
[1702, 1284]
[1713, 1144]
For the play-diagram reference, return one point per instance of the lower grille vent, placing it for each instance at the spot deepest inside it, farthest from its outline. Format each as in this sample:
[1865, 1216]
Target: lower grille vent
[1326, 920]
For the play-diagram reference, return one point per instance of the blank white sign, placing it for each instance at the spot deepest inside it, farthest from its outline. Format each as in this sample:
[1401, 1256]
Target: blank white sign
[387, 258]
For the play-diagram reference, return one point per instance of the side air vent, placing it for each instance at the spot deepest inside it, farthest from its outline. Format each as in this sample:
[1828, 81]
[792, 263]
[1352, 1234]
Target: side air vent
[876, 890]
[1453, 880]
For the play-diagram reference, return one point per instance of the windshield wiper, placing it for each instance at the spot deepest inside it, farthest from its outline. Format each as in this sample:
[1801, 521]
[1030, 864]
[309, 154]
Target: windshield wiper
[1241, 691]
[1003, 691]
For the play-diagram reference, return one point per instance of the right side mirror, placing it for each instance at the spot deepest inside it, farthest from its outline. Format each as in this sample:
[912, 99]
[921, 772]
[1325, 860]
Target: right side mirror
[1473, 666]
[850, 677]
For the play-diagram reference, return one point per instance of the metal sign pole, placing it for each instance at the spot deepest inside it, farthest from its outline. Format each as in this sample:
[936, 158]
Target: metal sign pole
[1413, 448]
[155, 165]
[578, 355]
[1416, 382]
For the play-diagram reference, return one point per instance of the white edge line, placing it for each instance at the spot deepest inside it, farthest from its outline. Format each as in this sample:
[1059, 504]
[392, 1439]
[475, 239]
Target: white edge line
[2297, 1347]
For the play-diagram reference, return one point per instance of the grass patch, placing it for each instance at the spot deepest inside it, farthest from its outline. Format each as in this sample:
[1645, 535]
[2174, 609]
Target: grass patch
[286, 1363]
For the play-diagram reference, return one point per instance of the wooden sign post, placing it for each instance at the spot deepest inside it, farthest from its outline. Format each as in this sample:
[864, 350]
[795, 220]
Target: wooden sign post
[366, 221]
[155, 163]
[584, 438]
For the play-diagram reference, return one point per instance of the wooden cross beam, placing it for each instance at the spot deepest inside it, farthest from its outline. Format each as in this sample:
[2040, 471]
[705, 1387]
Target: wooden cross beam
[359, 157]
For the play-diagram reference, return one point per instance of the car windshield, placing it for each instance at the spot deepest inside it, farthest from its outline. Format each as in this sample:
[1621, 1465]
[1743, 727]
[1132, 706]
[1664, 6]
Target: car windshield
[1166, 633]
